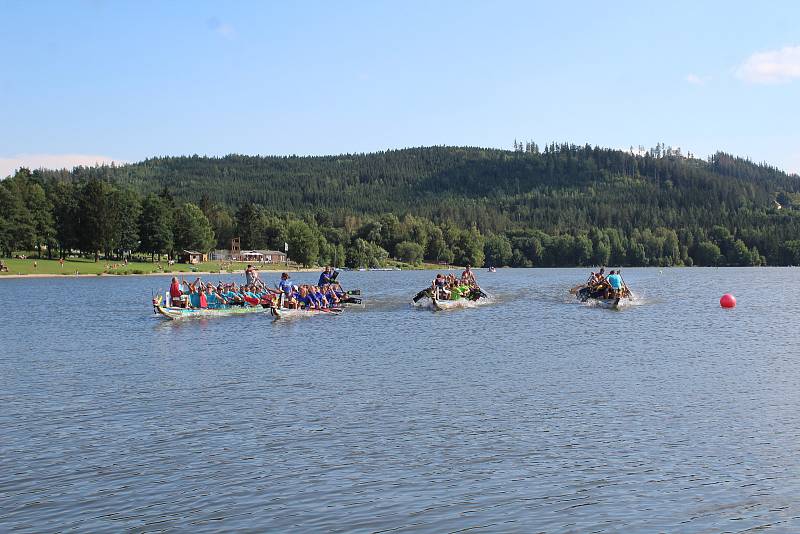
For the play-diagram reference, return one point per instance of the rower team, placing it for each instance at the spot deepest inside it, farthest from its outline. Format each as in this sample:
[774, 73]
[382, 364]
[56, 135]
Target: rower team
[326, 294]
[610, 287]
[448, 287]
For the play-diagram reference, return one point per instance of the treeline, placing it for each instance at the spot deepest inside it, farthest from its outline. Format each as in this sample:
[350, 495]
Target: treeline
[95, 217]
[563, 205]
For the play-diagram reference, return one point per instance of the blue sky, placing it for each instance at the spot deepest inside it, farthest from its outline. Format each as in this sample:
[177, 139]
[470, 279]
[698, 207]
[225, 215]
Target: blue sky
[87, 81]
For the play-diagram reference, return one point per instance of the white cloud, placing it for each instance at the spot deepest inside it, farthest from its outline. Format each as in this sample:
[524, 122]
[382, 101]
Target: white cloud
[9, 165]
[772, 66]
[221, 28]
[694, 79]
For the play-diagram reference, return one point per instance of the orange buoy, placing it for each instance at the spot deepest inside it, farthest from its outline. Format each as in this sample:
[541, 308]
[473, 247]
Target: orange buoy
[727, 301]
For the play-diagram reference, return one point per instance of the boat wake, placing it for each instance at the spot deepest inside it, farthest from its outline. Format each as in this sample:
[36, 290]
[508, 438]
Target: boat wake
[447, 305]
[623, 304]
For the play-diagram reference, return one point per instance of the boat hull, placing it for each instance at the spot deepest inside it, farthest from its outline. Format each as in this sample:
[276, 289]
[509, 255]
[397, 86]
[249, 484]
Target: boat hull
[608, 304]
[442, 305]
[583, 294]
[175, 314]
[289, 313]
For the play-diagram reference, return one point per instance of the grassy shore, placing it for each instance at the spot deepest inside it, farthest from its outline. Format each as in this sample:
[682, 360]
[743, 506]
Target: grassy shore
[81, 266]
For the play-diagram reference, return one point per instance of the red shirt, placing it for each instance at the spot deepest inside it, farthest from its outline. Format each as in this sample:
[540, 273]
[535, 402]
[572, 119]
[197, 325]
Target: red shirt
[175, 290]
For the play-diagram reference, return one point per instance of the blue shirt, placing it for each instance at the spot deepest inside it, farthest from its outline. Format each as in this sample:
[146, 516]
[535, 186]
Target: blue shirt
[285, 286]
[325, 279]
[615, 281]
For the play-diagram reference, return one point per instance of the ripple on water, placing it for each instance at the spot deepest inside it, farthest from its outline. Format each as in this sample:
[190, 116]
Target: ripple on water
[530, 413]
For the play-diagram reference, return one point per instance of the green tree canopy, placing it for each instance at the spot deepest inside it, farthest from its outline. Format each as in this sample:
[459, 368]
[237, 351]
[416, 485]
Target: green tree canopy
[192, 229]
[409, 252]
[303, 244]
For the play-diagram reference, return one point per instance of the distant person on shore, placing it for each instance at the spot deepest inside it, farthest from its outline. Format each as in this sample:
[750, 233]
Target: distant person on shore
[61, 262]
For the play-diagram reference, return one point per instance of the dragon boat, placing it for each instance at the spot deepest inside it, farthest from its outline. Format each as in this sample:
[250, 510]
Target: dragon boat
[174, 313]
[439, 303]
[604, 298]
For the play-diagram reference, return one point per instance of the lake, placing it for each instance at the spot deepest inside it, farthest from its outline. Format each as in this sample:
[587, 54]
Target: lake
[530, 413]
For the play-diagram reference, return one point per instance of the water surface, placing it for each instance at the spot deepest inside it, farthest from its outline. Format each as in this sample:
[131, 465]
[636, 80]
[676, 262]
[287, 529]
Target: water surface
[532, 413]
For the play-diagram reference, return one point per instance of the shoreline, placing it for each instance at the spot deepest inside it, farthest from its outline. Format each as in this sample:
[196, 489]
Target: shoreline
[186, 274]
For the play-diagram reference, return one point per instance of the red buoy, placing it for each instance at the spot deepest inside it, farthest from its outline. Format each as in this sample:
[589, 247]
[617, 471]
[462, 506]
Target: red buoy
[727, 301]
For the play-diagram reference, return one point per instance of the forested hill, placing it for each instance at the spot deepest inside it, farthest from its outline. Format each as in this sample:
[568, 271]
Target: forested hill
[563, 205]
[564, 188]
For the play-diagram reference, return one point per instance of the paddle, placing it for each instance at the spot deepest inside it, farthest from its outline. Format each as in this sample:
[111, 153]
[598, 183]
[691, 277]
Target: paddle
[574, 290]
[630, 293]
[421, 295]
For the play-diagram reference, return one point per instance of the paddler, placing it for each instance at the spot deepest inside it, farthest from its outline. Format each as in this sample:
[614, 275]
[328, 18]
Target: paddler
[327, 277]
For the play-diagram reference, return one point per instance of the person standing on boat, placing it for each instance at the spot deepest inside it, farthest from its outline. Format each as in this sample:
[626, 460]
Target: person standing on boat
[285, 286]
[250, 275]
[615, 281]
[328, 277]
[468, 277]
[175, 293]
[439, 285]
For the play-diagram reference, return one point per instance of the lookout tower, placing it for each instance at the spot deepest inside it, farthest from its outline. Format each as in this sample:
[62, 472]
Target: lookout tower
[236, 248]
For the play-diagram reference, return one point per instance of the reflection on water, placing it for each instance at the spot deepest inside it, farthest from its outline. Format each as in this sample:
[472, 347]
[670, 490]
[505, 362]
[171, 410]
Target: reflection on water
[531, 413]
